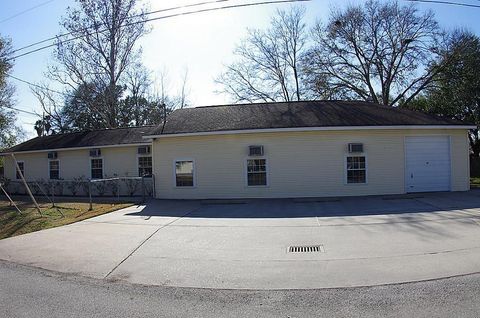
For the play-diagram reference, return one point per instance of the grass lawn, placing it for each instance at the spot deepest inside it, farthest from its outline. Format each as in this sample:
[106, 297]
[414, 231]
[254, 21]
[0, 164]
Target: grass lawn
[475, 182]
[12, 223]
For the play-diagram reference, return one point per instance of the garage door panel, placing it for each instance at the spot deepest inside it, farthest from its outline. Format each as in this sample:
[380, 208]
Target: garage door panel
[427, 163]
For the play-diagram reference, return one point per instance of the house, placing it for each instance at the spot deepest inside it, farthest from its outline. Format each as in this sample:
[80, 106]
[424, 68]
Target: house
[96, 154]
[268, 150]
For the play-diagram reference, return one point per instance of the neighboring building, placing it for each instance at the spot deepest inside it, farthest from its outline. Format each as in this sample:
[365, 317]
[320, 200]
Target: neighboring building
[93, 154]
[298, 149]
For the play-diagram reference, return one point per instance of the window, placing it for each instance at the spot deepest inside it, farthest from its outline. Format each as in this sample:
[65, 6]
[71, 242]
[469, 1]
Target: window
[356, 169]
[54, 169]
[257, 172]
[21, 165]
[184, 173]
[96, 168]
[144, 166]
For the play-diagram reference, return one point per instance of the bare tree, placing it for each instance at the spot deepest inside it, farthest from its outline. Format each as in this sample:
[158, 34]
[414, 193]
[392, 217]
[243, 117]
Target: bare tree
[163, 90]
[379, 51]
[268, 66]
[51, 107]
[8, 130]
[138, 85]
[161, 87]
[106, 32]
[184, 90]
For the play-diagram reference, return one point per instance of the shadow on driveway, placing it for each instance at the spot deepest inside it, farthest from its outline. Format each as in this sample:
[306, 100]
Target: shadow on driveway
[304, 208]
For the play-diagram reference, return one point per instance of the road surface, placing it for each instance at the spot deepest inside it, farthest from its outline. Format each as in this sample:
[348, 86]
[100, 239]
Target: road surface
[30, 292]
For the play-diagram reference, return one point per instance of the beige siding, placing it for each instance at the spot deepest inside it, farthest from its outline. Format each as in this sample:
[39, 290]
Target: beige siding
[300, 164]
[459, 150]
[121, 161]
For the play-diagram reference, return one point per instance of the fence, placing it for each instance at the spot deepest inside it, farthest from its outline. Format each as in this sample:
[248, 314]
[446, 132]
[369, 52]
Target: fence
[110, 187]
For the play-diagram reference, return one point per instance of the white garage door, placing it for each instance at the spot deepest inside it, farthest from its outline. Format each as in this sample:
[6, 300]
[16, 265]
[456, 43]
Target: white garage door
[428, 163]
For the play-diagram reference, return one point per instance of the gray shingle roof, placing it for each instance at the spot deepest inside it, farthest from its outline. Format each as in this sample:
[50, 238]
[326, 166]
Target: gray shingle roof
[294, 115]
[243, 117]
[93, 138]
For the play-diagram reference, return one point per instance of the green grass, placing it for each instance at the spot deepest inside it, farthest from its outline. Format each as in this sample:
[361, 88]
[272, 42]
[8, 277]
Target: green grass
[475, 182]
[13, 223]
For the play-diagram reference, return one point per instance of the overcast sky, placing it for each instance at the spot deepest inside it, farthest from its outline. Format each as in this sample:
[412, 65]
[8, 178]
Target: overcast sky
[203, 43]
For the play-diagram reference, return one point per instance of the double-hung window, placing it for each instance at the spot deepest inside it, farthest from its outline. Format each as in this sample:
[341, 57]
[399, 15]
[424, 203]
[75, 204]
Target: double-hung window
[256, 172]
[184, 173]
[96, 168]
[356, 169]
[21, 166]
[54, 169]
[144, 166]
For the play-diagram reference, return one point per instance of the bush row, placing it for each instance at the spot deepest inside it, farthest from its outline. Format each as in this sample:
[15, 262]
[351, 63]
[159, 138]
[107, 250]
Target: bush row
[80, 187]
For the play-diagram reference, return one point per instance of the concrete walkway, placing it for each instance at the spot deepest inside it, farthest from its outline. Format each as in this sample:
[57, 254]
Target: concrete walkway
[365, 241]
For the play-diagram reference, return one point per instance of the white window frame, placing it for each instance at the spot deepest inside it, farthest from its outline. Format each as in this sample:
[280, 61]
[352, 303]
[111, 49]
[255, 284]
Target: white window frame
[138, 162]
[103, 167]
[49, 175]
[267, 173]
[175, 173]
[16, 171]
[345, 169]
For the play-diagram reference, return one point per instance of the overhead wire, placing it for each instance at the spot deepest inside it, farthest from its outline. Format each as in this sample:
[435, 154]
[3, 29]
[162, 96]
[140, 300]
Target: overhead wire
[35, 85]
[158, 18]
[25, 11]
[134, 16]
[19, 110]
[153, 19]
[128, 24]
[460, 4]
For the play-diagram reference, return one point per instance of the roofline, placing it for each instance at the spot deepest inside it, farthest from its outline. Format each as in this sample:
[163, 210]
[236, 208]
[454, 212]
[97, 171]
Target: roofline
[76, 148]
[299, 129]
[256, 103]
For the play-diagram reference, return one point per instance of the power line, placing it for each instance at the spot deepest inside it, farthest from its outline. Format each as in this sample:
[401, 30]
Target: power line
[20, 110]
[36, 85]
[159, 18]
[148, 20]
[31, 84]
[460, 4]
[25, 11]
[134, 16]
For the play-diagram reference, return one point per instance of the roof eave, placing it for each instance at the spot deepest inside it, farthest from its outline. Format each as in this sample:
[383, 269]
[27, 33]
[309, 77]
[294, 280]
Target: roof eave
[78, 148]
[299, 129]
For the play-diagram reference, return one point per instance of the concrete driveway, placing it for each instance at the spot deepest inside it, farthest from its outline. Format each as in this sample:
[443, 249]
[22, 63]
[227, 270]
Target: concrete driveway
[245, 244]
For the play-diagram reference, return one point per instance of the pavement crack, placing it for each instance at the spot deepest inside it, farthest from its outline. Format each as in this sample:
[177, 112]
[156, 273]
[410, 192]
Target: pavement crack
[145, 240]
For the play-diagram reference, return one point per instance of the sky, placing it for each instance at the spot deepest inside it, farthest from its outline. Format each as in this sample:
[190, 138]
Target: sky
[202, 43]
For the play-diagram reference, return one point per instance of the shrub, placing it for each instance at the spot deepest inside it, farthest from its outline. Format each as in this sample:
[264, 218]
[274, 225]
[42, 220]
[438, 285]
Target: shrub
[100, 186]
[84, 184]
[5, 182]
[76, 185]
[148, 188]
[56, 187]
[38, 187]
[113, 185]
[132, 186]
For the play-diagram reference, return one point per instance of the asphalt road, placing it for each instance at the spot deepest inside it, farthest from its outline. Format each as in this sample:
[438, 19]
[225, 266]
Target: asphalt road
[29, 292]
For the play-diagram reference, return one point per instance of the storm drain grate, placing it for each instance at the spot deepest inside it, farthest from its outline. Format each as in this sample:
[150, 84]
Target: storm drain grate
[306, 249]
